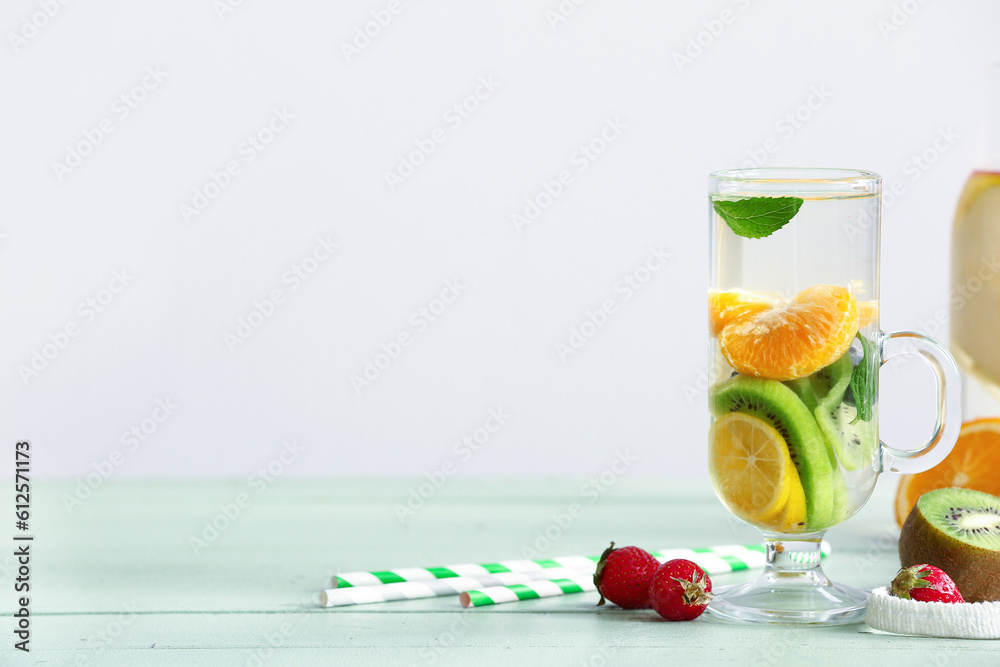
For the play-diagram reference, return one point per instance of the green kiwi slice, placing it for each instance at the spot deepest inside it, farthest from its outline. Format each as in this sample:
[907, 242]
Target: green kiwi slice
[957, 530]
[830, 383]
[851, 439]
[849, 443]
[804, 390]
[826, 386]
[773, 402]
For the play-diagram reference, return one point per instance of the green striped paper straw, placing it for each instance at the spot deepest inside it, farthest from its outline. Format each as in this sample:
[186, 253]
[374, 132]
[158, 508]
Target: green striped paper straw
[715, 560]
[347, 579]
[412, 590]
[528, 591]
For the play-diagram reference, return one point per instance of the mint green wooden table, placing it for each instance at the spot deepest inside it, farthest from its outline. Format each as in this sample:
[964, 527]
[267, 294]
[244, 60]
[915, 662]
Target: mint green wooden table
[117, 581]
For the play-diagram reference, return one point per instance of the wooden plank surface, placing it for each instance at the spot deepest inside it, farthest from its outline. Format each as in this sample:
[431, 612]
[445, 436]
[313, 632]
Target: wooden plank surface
[116, 580]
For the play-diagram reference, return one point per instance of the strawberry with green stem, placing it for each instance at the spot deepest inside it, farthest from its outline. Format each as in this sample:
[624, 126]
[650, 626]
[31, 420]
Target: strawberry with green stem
[623, 576]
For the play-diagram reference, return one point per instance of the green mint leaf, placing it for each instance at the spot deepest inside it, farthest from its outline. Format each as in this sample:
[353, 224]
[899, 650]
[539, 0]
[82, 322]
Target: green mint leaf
[864, 381]
[757, 217]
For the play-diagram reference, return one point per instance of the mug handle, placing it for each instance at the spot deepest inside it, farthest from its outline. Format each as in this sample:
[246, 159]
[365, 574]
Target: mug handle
[948, 422]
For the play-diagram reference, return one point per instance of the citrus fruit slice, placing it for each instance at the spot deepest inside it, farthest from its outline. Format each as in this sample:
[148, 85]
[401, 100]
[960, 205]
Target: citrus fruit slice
[728, 306]
[974, 463]
[795, 338]
[751, 466]
[793, 517]
[867, 313]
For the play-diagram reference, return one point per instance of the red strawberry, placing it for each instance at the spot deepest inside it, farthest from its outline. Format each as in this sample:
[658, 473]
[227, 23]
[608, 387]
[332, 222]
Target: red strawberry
[925, 583]
[680, 590]
[623, 576]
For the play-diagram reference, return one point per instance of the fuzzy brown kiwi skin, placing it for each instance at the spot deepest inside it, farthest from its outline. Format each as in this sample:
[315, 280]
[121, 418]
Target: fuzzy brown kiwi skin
[974, 570]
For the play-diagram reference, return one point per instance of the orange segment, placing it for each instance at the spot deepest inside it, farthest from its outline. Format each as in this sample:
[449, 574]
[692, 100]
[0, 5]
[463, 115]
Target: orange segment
[867, 313]
[974, 463]
[750, 466]
[728, 306]
[795, 338]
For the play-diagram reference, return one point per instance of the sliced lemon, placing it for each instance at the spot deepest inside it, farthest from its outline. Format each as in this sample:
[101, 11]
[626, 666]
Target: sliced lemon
[750, 467]
[793, 518]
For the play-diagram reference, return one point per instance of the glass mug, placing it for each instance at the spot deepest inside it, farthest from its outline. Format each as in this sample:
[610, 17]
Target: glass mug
[793, 369]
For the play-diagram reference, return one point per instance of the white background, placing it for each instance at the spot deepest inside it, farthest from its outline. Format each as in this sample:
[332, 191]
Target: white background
[633, 386]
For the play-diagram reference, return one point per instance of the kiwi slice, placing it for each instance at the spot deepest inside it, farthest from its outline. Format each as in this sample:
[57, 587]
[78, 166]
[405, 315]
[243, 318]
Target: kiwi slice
[804, 390]
[841, 498]
[851, 439]
[776, 404]
[830, 383]
[957, 530]
[850, 443]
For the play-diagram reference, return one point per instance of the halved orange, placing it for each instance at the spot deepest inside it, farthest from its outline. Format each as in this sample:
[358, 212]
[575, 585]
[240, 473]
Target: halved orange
[974, 463]
[795, 338]
[730, 305]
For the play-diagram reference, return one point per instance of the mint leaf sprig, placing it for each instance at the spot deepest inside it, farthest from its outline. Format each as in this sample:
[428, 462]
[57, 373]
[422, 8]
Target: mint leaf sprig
[864, 381]
[757, 217]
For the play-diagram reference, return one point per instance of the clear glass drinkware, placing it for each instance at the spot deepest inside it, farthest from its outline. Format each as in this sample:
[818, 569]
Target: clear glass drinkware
[794, 357]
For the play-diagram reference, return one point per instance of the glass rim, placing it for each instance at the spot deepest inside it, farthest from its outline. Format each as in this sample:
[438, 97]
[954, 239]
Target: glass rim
[806, 182]
[794, 174]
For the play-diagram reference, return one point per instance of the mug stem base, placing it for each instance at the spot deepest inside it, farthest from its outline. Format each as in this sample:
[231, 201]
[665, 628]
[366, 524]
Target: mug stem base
[792, 591]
